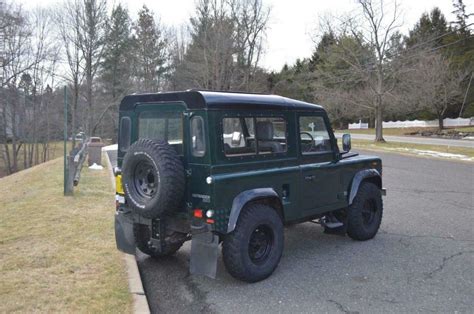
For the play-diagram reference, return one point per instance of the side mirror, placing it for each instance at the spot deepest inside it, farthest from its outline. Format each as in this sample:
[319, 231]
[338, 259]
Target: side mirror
[346, 143]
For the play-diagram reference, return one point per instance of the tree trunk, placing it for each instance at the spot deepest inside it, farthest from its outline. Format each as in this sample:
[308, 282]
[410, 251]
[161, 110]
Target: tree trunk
[73, 112]
[378, 124]
[89, 94]
[440, 122]
[6, 152]
[14, 139]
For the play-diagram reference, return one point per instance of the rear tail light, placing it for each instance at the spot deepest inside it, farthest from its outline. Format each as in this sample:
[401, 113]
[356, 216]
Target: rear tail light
[198, 213]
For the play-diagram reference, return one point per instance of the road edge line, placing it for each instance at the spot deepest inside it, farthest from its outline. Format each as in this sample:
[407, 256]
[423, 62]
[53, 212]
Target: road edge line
[135, 285]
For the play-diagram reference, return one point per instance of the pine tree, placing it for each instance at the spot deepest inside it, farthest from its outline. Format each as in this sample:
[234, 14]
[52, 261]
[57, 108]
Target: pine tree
[461, 17]
[151, 54]
[116, 65]
[429, 31]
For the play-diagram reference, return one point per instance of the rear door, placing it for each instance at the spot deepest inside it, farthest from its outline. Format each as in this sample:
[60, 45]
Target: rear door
[162, 121]
[319, 178]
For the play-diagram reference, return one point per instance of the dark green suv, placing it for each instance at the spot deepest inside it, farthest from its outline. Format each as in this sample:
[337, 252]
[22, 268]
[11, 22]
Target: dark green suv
[234, 168]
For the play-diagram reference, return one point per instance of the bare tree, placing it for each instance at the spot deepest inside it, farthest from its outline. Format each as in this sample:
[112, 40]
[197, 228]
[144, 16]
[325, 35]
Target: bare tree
[14, 38]
[225, 46]
[16, 52]
[68, 21]
[44, 55]
[434, 85]
[378, 31]
[251, 20]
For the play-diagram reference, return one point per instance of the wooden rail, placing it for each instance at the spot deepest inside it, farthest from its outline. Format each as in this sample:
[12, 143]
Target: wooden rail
[76, 159]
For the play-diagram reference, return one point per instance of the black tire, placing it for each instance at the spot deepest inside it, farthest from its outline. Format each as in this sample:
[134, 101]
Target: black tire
[153, 178]
[142, 238]
[364, 215]
[253, 250]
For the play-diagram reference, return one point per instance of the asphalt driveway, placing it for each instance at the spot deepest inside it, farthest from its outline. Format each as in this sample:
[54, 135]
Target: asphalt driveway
[421, 261]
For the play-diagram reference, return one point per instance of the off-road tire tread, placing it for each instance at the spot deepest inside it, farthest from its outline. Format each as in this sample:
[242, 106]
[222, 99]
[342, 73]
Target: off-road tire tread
[231, 248]
[355, 228]
[171, 172]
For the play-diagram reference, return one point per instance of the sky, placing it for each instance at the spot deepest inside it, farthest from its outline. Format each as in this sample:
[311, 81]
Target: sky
[293, 23]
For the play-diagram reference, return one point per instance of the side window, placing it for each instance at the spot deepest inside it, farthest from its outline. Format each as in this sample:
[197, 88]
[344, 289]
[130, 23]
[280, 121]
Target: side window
[271, 135]
[314, 137]
[197, 136]
[125, 133]
[237, 140]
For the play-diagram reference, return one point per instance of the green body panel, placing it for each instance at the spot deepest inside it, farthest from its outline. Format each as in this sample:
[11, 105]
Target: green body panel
[307, 186]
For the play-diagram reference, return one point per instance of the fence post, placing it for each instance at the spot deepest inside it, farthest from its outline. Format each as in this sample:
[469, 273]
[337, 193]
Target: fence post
[70, 177]
[67, 191]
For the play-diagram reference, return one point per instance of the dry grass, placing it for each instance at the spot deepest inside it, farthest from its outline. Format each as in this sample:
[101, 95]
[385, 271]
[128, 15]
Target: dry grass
[403, 147]
[58, 253]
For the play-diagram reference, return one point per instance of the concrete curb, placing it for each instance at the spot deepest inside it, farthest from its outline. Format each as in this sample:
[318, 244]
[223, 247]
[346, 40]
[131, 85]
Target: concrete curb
[135, 285]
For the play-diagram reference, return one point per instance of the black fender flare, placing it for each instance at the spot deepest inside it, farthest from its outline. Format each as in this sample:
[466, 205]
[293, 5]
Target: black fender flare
[242, 199]
[361, 176]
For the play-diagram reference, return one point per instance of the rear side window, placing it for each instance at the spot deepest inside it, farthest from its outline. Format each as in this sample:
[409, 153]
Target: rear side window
[248, 136]
[197, 136]
[271, 135]
[125, 133]
[237, 141]
[314, 136]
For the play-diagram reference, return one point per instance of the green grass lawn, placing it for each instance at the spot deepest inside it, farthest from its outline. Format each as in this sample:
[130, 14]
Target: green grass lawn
[58, 254]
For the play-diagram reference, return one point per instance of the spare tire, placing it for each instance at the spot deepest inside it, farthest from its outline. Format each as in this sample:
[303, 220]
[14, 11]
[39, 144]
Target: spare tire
[153, 178]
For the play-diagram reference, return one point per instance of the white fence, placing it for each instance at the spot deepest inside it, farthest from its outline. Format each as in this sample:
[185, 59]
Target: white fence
[358, 125]
[417, 123]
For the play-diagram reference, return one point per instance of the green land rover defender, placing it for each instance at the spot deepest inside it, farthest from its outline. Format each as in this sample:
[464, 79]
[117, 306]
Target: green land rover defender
[235, 168]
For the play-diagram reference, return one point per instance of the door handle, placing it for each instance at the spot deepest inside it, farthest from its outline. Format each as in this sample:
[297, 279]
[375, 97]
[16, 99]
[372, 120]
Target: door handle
[309, 177]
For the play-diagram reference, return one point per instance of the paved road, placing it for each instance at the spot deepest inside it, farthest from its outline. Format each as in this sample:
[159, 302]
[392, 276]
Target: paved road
[421, 261]
[415, 140]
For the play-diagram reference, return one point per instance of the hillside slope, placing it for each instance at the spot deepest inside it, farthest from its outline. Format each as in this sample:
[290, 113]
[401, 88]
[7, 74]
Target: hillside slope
[58, 253]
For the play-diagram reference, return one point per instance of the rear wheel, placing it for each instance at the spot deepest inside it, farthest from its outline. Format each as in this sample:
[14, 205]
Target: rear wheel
[253, 250]
[364, 215]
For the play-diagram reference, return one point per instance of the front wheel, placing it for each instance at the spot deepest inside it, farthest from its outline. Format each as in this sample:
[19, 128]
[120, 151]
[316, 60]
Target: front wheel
[253, 250]
[364, 215]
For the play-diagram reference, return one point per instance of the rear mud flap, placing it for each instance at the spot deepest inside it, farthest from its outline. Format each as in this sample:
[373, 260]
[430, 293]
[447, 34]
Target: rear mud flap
[124, 232]
[204, 252]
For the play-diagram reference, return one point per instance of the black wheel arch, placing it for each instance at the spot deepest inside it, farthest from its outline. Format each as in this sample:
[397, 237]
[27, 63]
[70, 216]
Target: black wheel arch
[265, 196]
[366, 175]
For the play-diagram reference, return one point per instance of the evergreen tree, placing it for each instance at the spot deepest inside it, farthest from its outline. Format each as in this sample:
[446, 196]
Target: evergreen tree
[461, 17]
[429, 31]
[116, 66]
[324, 44]
[151, 54]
